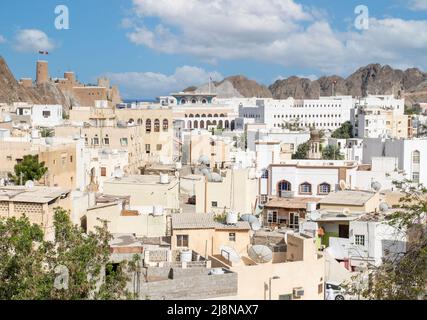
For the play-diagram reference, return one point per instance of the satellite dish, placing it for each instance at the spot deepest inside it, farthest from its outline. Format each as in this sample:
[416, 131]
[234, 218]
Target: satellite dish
[384, 207]
[230, 254]
[256, 225]
[260, 254]
[249, 218]
[343, 185]
[118, 173]
[29, 184]
[376, 186]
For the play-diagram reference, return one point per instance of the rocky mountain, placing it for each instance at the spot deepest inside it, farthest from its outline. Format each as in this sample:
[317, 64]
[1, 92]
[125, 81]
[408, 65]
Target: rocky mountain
[235, 86]
[12, 91]
[371, 79]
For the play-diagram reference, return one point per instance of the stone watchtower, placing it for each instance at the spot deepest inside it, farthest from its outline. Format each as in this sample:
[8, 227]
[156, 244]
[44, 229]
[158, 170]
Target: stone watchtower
[314, 151]
[42, 75]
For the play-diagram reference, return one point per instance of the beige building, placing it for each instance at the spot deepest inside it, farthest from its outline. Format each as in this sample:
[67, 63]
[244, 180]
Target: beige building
[198, 143]
[300, 277]
[236, 190]
[202, 234]
[59, 155]
[121, 219]
[146, 134]
[146, 191]
[37, 203]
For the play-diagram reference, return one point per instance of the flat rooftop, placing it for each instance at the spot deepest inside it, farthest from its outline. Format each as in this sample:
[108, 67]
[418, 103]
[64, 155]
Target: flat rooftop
[203, 221]
[348, 197]
[291, 203]
[140, 179]
[37, 194]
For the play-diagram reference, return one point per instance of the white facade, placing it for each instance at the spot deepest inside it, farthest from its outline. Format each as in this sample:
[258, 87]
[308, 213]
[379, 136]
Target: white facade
[327, 113]
[46, 115]
[287, 179]
[384, 171]
[352, 149]
[294, 138]
[369, 242]
[411, 154]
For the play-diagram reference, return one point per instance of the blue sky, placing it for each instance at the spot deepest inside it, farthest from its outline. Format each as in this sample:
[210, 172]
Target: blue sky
[151, 47]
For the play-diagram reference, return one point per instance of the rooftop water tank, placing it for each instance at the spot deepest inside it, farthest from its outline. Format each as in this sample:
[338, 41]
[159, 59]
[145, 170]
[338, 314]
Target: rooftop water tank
[186, 256]
[164, 178]
[311, 206]
[158, 211]
[232, 217]
[217, 271]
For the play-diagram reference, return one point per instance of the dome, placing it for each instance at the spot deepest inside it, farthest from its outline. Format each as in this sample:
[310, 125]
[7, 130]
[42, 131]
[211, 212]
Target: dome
[315, 135]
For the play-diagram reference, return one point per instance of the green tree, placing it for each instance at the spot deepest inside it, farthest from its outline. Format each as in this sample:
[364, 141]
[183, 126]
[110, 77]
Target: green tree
[331, 152]
[28, 169]
[46, 132]
[302, 152]
[28, 264]
[344, 132]
[403, 277]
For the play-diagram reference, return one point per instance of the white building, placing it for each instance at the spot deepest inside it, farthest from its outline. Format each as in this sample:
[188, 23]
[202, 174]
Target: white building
[46, 115]
[371, 239]
[410, 154]
[307, 178]
[327, 113]
[293, 138]
[352, 149]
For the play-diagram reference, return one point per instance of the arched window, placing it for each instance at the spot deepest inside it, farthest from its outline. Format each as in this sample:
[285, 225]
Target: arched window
[227, 124]
[139, 122]
[214, 122]
[222, 115]
[193, 101]
[220, 124]
[197, 115]
[186, 115]
[208, 123]
[305, 188]
[202, 124]
[148, 126]
[284, 186]
[131, 121]
[203, 115]
[165, 125]
[204, 101]
[157, 125]
[196, 124]
[191, 115]
[209, 115]
[189, 125]
[215, 115]
[183, 101]
[324, 188]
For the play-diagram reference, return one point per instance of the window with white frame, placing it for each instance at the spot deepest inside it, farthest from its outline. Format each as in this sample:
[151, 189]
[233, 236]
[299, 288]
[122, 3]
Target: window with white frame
[359, 240]
[272, 216]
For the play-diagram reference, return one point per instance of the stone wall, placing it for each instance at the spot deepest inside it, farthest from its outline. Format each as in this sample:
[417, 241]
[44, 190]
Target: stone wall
[199, 286]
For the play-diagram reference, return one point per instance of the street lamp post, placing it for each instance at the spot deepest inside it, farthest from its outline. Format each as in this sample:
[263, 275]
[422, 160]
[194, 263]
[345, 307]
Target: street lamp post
[269, 285]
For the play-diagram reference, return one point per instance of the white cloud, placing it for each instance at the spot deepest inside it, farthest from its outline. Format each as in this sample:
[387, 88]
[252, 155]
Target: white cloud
[418, 5]
[2, 39]
[279, 31]
[150, 84]
[32, 40]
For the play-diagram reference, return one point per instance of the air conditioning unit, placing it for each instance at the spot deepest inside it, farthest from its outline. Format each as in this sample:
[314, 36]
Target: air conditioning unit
[287, 194]
[298, 293]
